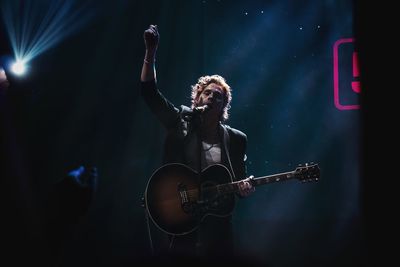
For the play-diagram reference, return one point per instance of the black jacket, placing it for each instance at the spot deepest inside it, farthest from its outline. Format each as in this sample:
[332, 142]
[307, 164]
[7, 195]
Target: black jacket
[182, 144]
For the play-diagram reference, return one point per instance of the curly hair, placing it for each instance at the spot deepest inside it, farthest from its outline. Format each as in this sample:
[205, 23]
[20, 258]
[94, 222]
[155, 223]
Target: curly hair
[203, 82]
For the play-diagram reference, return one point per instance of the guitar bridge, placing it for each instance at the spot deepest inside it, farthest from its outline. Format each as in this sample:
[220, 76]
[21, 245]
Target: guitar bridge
[187, 205]
[183, 193]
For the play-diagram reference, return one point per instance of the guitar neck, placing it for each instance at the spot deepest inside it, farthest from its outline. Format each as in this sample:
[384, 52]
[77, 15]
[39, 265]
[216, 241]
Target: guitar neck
[234, 187]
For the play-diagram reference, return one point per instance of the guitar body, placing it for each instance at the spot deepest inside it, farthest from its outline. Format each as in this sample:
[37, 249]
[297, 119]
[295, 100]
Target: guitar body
[178, 198]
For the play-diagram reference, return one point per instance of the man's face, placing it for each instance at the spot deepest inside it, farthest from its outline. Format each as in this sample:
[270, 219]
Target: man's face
[213, 96]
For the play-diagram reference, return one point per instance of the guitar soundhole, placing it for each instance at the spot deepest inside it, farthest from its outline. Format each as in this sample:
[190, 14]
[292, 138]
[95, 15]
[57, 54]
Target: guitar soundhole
[210, 199]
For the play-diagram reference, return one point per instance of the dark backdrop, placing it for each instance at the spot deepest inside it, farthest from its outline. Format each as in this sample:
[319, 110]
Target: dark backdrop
[80, 104]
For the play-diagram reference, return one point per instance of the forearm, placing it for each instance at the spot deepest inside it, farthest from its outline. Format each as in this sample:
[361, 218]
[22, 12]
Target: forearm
[159, 105]
[148, 68]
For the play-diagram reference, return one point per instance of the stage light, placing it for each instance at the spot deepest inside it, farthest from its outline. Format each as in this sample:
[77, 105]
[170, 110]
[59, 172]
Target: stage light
[35, 26]
[18, 68]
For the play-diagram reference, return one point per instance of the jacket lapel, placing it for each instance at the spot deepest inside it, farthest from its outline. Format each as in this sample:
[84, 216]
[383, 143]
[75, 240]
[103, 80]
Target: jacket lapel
[226, 160]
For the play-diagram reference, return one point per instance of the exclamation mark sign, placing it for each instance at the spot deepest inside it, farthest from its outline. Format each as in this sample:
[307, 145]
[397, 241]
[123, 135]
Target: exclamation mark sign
[356, 85]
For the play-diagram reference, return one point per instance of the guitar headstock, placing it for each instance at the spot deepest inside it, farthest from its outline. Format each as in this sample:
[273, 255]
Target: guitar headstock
[308, 172]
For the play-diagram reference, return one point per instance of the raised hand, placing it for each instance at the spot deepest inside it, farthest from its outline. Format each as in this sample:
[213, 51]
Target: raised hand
[151, 38]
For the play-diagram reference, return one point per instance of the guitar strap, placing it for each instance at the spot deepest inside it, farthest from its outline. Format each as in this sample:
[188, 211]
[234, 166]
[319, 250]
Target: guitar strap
[226, 141]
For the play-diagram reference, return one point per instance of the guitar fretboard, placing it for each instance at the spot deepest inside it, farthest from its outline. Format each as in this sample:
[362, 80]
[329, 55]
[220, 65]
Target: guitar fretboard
[234, 187]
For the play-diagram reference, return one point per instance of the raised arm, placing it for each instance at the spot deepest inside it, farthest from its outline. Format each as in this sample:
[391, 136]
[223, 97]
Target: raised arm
[151, 38]
[164, 110]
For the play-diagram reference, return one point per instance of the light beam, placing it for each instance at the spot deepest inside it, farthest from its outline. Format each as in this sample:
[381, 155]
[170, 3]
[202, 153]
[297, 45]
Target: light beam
[35, 26]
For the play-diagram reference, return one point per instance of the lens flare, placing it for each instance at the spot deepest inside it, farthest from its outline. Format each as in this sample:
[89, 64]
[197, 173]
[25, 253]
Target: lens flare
[18, 68]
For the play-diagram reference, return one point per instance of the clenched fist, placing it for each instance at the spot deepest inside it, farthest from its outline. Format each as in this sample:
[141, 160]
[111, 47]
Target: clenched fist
[151, 38]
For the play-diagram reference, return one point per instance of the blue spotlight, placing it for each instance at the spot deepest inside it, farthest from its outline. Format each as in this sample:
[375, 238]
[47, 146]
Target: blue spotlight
[35, 26]
[18, 67]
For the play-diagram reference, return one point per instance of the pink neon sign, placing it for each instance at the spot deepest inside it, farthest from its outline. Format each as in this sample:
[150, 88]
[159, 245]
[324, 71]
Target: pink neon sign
[339, 87]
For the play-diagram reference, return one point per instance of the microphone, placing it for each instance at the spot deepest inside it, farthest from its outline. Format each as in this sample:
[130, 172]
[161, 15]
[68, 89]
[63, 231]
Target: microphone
[201, 109]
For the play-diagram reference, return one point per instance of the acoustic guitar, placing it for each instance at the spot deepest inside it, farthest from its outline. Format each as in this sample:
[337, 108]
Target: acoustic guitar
[178, 198]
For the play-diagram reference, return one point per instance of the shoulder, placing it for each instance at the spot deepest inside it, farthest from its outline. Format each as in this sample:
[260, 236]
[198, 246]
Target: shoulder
[235, 132]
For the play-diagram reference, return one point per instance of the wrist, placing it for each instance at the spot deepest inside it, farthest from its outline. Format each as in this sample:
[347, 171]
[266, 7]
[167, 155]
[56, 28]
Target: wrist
[149, 57]
[149, 61]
